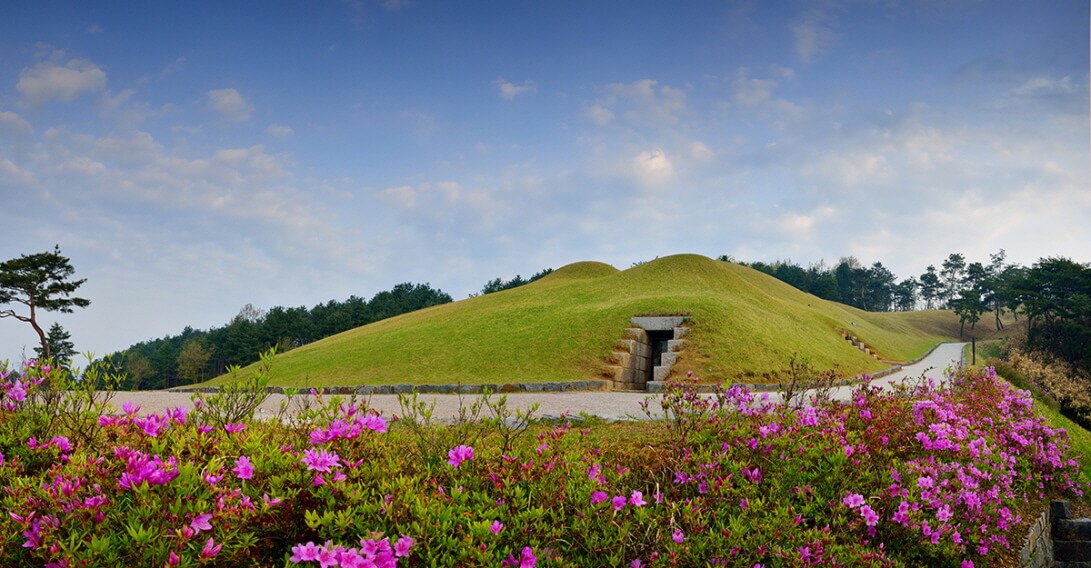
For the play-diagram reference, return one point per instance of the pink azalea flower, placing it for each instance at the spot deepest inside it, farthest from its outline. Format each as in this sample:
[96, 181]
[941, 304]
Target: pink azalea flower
[619, 502]
[678, 536]
[200, 522]
[871, 518]
[459, 454]
[173, 559]
[598, 497]
[304, 552]
[637, 499]
[375, 423]
[270, 501]
[243, 469]
[402, 546]
[853, 500]
[320, 460]
[211, 549]
[496, 527]
[527, 558]
[235, 427]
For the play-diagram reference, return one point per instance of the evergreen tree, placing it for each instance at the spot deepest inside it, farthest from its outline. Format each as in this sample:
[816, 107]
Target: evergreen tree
[41, 282]
[61, 348]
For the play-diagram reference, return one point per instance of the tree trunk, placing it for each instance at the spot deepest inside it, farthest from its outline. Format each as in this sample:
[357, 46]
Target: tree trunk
[41, 334]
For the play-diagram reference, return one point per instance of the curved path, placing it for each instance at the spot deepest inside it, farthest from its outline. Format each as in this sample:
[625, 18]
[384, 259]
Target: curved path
[608, 405]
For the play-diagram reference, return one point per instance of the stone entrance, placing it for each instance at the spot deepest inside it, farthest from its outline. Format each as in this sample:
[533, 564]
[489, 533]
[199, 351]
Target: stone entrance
[647, 351]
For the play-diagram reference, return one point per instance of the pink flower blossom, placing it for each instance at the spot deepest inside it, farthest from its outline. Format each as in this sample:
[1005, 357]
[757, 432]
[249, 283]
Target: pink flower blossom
[598, 497]
[619, 502]
[320, 460]
[459, 454]
[304, 552]
[871, 518]
[211, 549]
[853, 500]
[678, 536]
[402, 546]
[637, 499]
[496, 527]
[375, 423]
[201, 522]
[243, 469]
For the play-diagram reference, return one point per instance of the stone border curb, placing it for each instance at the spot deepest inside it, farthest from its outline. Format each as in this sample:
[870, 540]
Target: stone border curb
[405, 388]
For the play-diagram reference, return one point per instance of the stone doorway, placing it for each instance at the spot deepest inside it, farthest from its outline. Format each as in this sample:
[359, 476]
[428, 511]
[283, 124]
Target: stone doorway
[647, 351]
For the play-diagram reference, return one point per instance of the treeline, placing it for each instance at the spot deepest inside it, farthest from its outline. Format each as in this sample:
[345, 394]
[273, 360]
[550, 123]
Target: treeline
[499, 284]
[1054, 294]
[971, 289]
[196, 355]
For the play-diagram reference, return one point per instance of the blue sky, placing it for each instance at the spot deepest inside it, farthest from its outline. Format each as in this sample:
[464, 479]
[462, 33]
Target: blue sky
[191, 158]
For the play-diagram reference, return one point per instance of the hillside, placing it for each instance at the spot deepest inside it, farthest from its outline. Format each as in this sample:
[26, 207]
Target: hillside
[563, 327]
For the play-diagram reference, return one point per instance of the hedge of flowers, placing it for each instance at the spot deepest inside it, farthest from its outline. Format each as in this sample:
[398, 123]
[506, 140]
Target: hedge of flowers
[922, 475]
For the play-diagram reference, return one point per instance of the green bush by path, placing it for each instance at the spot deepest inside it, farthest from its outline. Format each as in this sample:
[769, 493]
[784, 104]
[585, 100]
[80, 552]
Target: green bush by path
[745, 325]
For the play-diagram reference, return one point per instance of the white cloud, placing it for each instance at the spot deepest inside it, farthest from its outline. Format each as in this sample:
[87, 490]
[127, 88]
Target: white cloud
[13, 175]
[599, 114]
[643, 102]
[813, 34]
[54, 80]
[848, 169]
[14, 125]
[652, 168]
[402, 197]
[449, 190]
[646, 104]
[509, 91]
[279, 130]
[1044, 86]
[698, 151]
[749, 91]
[231, 104]
[94, 29]
[796, 224]
[430, 195]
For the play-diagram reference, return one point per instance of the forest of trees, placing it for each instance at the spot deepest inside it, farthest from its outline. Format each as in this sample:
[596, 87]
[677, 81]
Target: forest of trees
[196, 355]
[970, 289]
[498, 284]
[1054, 294]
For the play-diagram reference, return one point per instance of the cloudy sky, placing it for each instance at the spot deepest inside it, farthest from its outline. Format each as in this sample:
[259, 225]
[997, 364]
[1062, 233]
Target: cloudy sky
[193, 157]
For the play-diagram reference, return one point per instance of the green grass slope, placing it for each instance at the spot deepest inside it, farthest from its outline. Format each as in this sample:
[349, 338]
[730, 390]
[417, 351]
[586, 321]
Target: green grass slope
[745, 324]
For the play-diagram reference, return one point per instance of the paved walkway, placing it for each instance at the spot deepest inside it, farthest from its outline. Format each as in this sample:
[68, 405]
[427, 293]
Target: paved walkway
[609, 405]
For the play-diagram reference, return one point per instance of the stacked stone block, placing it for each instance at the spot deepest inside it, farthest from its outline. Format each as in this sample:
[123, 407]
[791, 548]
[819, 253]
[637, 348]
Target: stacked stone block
[631, 364]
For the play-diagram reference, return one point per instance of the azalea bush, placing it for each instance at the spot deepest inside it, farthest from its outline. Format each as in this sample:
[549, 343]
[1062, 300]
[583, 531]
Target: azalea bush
[918, 475]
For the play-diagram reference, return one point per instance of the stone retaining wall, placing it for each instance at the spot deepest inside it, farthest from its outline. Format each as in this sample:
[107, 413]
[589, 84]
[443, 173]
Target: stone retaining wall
[588, 385]
[1056, 540]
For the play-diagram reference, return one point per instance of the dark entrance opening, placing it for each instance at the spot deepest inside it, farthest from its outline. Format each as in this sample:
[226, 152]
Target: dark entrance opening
[658, 339]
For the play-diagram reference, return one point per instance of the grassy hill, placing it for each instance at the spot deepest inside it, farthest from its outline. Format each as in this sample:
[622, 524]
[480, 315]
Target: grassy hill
[563, 327]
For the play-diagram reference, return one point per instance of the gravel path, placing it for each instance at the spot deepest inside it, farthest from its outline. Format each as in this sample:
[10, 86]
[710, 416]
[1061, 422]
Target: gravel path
[609, 405]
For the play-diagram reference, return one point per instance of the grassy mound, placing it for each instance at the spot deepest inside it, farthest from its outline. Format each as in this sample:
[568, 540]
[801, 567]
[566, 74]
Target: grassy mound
[745, 325]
